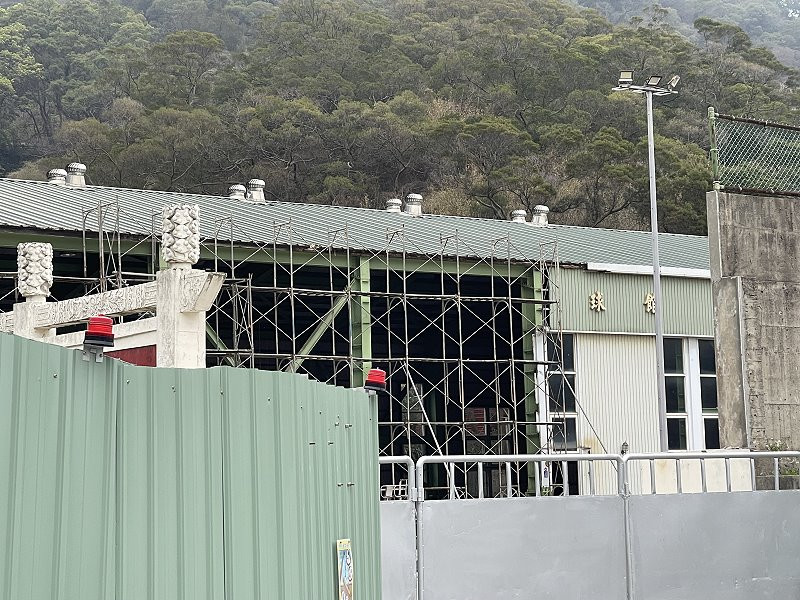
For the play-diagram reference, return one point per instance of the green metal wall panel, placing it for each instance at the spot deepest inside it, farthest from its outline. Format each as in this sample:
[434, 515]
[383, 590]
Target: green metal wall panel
[57, 440]
[687, 303]
[308, 449]
[170, 529]
[129, 482]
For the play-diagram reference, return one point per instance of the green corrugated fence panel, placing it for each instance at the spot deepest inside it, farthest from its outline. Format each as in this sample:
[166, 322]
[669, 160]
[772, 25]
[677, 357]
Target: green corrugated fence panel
[151, 484]
[687, 303]
[57, 439]
[170, 535]
[300, 467]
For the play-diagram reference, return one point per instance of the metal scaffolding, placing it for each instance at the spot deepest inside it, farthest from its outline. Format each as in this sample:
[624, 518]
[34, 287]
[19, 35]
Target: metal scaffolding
[463, 334]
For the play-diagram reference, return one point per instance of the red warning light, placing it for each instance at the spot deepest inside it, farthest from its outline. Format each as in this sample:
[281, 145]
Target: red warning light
[100, 332]
[376, 380]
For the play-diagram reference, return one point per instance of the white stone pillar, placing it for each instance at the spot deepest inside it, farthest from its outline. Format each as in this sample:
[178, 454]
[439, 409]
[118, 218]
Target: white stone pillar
[34, 278]
[181, 332]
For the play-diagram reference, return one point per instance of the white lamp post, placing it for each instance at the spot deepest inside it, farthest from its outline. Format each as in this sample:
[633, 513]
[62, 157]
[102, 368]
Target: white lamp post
[650, 89]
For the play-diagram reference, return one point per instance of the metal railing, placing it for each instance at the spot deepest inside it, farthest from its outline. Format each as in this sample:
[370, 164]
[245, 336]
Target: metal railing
[398, 490]
[536, 461]
[752, 156]
[666, 472]
[701, 459]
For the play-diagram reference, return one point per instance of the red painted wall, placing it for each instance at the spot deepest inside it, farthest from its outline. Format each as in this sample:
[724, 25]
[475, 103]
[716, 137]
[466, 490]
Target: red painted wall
[145, 356]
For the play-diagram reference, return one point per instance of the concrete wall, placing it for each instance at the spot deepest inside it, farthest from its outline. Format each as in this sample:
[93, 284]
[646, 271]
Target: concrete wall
[737, 546]
[714, 546]
[524, 548]
[398, 550]
[755, 270]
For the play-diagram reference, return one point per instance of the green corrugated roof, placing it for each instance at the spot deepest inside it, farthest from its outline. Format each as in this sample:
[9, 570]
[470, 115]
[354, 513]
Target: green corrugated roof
[44, 206]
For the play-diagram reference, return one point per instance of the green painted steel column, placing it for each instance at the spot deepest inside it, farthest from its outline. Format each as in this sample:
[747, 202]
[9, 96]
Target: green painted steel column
[361, 326]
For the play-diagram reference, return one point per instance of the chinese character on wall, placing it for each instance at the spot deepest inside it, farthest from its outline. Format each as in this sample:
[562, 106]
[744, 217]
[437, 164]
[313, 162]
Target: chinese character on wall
[650, 303]
[597, 302]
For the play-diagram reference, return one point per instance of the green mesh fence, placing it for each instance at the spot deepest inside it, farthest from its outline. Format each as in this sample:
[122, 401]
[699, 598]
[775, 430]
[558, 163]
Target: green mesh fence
[755, 155]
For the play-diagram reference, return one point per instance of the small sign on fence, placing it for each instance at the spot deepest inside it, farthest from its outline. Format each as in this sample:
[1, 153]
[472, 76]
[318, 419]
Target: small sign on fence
[344, 554]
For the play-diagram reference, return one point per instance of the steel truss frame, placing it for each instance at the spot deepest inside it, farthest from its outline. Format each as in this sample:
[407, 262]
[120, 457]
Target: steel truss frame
[456, 330]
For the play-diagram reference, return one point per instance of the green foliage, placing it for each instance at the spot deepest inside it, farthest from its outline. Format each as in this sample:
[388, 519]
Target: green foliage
[183, 65]
[774, 24]
[16, 58]
[483, 106]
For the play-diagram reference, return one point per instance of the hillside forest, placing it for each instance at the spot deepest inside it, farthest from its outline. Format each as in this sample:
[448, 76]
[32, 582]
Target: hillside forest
[770, 23]
[483, 106]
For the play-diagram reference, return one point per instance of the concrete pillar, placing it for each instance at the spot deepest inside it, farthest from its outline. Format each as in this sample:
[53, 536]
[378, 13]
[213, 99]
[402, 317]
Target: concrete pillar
[180, 295]
[184, 294]
[34, 278]
[754, 244]
[181, 336]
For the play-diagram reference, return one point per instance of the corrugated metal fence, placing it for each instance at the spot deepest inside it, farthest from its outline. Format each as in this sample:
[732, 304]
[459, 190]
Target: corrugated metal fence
[129, 482]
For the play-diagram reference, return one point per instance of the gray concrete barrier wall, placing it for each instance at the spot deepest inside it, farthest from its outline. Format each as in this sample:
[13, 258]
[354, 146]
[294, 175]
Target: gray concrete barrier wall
[714, 546]
[398, 551]
[523, 548]
[736, 546]
[726, 545]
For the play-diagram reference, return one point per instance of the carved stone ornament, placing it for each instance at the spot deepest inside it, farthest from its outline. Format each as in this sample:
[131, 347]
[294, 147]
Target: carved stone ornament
[34, 268]
[127, 300]
[180, 241]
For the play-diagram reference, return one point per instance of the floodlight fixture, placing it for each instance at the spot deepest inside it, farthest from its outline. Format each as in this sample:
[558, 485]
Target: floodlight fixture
[673, 83]
[625, 78]
[654, 80]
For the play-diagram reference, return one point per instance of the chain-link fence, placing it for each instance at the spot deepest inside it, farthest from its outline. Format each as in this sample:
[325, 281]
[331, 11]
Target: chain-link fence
[754, 156]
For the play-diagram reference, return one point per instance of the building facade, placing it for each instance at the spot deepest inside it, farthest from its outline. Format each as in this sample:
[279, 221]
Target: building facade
[498, 337]
[609, 360]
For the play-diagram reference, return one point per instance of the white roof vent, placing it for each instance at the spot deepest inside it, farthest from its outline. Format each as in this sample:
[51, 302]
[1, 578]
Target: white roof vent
[394, 205]
[255, 191]
[76, 174]
[539, 218]
[237, 192]
[57, 177]
[519, 215]
[414, 205]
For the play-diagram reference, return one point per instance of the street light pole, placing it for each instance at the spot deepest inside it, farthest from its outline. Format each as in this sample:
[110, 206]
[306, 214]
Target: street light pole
[662, 390]
[649, 90]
